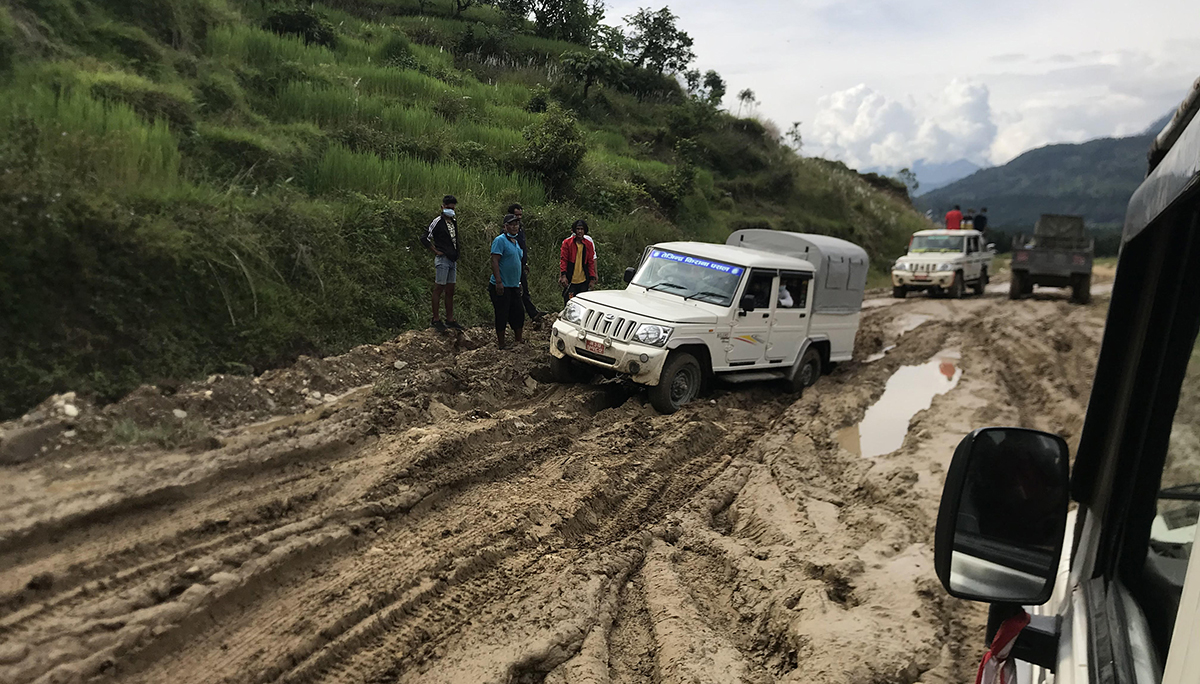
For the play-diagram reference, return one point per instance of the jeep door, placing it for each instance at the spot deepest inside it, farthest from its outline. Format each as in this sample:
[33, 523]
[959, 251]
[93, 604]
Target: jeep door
[792, 308]
[973, 264]
[751, 329]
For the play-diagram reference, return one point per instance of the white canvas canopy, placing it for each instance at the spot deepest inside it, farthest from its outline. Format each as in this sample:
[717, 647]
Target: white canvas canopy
[841, 266]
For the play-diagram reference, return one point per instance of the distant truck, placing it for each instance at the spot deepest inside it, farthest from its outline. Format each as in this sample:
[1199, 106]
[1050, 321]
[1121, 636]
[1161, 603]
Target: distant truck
[1058, 254]
[767, 305]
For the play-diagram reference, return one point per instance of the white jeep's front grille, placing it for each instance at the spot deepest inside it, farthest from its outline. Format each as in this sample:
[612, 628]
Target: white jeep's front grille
[612, 325]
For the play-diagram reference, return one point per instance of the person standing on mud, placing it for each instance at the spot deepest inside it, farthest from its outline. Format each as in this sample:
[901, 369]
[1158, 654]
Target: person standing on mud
[531, 309]
[441, 238]
[954, 218]
[504, 287]
[577, 262]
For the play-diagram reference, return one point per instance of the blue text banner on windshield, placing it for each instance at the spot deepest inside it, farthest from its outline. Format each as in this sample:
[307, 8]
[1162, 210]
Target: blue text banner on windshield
[705, 263]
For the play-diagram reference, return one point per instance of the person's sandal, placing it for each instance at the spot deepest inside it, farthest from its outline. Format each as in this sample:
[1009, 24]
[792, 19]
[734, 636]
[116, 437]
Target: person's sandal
[455, 325]
[439, 326]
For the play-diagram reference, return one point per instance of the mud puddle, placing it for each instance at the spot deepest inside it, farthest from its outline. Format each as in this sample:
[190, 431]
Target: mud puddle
[910, 389]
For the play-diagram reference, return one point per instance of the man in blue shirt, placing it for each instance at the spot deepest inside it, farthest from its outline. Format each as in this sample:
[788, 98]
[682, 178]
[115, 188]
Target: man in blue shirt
[504, 286]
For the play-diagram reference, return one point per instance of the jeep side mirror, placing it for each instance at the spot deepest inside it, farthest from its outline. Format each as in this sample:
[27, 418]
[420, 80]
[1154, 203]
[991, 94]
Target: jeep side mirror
[991, 246]
[1002, 517]
[748, 302]
[629, 273]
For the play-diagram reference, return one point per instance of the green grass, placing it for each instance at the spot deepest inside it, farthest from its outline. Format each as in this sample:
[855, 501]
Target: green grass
[340, 170]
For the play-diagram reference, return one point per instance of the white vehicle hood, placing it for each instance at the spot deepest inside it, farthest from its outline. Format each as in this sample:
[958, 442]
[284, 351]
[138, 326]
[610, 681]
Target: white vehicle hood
[931, 257]
[638, 302]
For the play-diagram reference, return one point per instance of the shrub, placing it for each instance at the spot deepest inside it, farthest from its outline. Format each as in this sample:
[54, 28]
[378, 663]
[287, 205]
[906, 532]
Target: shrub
[135, 46]
[554, 146]
[220, 93]
[8, 40]
[539, 99]
[303, 22]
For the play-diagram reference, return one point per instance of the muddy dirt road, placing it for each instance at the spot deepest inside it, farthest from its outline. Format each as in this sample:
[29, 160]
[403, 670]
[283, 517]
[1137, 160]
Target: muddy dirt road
[425, 511]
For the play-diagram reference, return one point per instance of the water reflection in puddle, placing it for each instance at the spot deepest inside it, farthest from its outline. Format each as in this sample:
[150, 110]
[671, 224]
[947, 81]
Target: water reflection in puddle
[909, 390]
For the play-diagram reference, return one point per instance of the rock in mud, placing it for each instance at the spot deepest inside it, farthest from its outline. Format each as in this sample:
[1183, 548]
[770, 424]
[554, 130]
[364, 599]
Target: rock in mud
[23, 444]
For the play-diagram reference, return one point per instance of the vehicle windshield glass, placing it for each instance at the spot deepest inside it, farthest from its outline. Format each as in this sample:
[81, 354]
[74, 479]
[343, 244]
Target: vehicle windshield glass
[936, 243]
[687, 276]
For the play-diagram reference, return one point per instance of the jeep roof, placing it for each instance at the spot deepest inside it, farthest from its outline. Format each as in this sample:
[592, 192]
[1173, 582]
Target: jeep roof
[943, 231]
[738, 256]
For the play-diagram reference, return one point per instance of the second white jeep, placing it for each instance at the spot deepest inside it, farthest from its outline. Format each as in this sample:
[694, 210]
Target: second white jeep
[943, 262]
[765, 305]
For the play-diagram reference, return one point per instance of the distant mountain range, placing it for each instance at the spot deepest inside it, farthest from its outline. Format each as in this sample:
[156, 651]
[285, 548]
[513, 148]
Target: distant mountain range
[931, 176]
[1093, 179]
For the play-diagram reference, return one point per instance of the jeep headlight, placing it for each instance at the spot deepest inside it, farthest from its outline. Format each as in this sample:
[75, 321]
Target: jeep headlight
[945, 267]
[573, 313]
[899, 266]
[653, 335]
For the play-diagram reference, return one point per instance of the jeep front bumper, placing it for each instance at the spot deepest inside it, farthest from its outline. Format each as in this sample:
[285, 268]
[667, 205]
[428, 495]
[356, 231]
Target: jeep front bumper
[642, 363]
[913, 280]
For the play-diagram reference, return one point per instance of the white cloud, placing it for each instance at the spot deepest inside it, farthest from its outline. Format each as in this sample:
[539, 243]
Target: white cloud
[868, 129]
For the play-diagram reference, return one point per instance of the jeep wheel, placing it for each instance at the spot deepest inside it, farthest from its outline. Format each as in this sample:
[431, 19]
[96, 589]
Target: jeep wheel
[1081, 289]
[1016, 286]
[899, 292]
[956, 289]
[809, 371]
[679, 383]
[568, 371]
[981, 284]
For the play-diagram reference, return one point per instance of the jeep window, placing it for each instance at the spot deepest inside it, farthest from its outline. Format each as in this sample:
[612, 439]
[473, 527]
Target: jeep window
[793, 290]
[689, 277]
[936, 243]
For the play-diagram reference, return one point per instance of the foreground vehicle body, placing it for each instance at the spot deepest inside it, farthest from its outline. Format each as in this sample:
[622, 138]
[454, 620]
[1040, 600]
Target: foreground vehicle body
[1114, 584]
[1058, 254]
[943, 262]
[751, 309]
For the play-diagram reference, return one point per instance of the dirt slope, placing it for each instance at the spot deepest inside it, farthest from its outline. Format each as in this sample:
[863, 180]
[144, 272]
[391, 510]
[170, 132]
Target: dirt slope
[425, 511]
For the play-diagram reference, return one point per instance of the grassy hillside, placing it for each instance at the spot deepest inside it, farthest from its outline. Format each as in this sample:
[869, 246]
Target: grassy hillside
[1093, 179]
[195, 186]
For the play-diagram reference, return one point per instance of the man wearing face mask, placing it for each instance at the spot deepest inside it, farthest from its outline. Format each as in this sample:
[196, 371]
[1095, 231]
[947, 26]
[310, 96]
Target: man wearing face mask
[442, 239]
[504, 286]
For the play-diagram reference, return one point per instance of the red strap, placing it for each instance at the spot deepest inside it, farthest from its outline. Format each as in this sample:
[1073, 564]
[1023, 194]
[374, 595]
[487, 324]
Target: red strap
[993, 669]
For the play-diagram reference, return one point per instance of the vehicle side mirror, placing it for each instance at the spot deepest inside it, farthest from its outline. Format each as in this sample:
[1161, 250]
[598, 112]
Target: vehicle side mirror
[748, 302]
[991, 246]
[629, 273]
[1002, 517]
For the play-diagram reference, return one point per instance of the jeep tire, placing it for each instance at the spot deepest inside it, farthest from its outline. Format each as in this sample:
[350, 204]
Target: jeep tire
[1016, 286]
[981, 284]
[956, 289]
[569, 371]
[899, 291]
[679, 383]
[808, 372]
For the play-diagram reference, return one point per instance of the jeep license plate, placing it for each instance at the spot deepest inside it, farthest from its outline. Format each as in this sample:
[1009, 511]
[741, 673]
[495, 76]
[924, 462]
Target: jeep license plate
[595, 347]
[920, 277]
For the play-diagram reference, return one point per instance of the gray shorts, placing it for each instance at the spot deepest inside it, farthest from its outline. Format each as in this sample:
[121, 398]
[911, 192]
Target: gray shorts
[445, 270]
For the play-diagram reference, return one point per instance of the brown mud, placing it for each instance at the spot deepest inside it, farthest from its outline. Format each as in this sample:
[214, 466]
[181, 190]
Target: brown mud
[434, 510]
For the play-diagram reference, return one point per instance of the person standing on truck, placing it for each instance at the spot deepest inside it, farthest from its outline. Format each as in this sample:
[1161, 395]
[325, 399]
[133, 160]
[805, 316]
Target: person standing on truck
[968, 222]
[504, 287]
[954, 218]
[577, 262]
[981, 220]
[526, 300]
[441, 238]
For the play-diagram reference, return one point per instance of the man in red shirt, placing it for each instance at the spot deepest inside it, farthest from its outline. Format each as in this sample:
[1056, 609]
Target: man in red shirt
[577, 262]
[954, 218]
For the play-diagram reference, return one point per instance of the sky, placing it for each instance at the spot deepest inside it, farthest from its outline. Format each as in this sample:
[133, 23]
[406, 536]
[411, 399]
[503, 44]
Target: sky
[882, 83]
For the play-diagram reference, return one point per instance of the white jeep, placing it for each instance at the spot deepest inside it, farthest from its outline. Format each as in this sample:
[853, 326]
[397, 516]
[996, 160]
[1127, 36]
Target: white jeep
[765, 305]
[943, 262]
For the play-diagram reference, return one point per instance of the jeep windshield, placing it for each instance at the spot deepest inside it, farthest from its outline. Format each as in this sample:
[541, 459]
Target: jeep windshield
[936, 243]
[689, 277]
